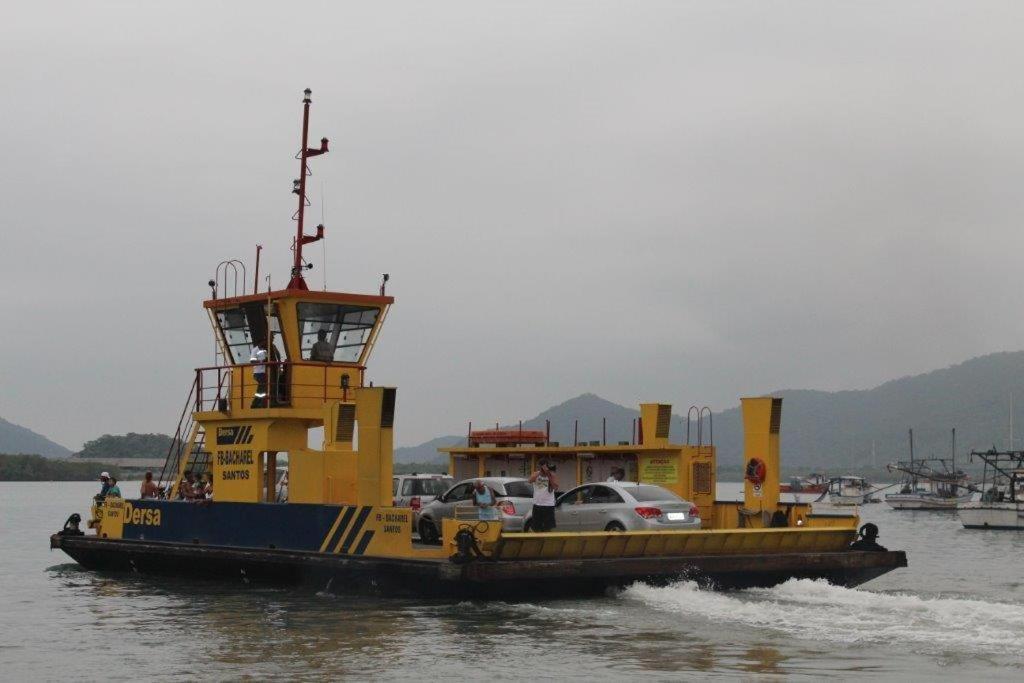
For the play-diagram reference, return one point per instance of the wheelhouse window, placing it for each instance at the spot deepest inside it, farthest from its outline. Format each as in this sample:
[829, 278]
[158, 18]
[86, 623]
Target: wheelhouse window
[243, 324]
[335, 332]
[237, 334]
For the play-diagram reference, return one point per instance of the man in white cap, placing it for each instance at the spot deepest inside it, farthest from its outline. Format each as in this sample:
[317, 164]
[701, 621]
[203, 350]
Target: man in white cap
[104, 485]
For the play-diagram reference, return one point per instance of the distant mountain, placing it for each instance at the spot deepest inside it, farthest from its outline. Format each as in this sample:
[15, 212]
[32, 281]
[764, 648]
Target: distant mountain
[17, 439]
[829, 430]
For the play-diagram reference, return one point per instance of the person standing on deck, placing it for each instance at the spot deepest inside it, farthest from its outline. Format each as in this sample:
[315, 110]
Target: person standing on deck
[544, 486]
[148, 488]
[483, 498]
[114, 491]
[259, 372]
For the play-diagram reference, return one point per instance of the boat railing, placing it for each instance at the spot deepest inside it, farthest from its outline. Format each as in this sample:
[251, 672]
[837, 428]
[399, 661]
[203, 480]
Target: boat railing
[288, 384]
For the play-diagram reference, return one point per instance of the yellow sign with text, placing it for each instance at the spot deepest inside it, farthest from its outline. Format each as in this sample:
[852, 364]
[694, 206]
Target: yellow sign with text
[236, 475]
[659, 469]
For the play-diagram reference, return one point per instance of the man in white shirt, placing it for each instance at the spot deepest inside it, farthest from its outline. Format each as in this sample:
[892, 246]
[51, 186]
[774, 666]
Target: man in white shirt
[259, 372]
[544, 486]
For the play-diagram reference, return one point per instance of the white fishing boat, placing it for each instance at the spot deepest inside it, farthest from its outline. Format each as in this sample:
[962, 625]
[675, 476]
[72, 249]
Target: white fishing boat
[850, 490]
[1000, 505]
[931, 495]
[929, 483]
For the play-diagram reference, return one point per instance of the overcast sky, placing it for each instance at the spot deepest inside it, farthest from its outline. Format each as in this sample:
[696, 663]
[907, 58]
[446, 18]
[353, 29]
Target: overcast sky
[665, 201]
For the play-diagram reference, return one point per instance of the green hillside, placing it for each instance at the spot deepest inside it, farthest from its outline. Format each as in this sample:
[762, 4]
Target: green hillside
[130, 445]
[37, 468]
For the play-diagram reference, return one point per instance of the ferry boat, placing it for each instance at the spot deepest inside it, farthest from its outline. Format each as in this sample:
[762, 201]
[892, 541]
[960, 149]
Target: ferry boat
[295, 360]
[1000, 503]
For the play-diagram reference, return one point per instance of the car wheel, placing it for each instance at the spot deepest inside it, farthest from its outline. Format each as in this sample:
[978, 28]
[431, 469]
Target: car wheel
[428, 532]
[614, 526]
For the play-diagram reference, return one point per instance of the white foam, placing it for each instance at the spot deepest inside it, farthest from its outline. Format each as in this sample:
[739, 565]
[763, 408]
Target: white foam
[818, 610]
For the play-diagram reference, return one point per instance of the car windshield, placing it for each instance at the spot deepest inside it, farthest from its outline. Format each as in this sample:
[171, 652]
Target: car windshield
[648, 493]
[519, 489]
[426, 487]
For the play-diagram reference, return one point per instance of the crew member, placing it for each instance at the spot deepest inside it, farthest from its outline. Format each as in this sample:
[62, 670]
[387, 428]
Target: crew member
[259, 360]
[148, 489]
[322, 349]
[483, 498]
[544, 486]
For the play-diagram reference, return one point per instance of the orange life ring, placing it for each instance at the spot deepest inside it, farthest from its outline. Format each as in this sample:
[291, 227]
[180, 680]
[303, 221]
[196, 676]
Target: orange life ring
[756, 471]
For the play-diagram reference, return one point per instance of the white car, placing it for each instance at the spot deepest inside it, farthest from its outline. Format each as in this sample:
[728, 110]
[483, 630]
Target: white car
[622, 506]
[416, 490]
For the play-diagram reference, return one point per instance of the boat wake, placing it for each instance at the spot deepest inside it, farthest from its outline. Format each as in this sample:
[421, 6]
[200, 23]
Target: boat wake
[820, 611]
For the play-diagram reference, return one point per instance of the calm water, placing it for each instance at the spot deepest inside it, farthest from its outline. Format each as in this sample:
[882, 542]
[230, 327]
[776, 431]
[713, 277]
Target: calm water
[957, 611]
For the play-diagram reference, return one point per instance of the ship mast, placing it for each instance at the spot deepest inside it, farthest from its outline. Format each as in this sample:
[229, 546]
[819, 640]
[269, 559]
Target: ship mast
[299, 188]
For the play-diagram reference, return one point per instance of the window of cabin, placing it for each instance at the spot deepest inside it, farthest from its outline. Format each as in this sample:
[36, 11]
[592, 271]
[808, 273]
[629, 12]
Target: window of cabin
[346, 329]
[245, 323]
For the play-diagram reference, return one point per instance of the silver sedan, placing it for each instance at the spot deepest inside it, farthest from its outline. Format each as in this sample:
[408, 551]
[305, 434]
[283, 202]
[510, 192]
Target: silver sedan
[513, 495]
[622, 506]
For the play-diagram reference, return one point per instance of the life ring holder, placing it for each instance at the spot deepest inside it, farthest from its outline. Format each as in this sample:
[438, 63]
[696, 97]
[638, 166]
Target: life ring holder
[756, 471]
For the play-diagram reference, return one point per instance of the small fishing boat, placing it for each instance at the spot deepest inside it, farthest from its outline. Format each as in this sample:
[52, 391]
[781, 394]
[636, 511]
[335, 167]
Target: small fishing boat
[1000, 504]
[851, 490]
[929, 483]
[812, 483]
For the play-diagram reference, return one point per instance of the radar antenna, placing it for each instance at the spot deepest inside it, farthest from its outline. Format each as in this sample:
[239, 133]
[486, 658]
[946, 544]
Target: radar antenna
[299, 188]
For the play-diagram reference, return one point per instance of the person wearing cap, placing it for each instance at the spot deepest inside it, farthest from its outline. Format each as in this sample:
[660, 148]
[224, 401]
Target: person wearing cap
[322, 349]
[104, 486]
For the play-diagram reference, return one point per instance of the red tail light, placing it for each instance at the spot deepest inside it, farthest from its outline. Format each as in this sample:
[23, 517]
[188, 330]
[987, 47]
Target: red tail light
[648, 513]
[507, 506]
[415, 503]
[694, 511]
